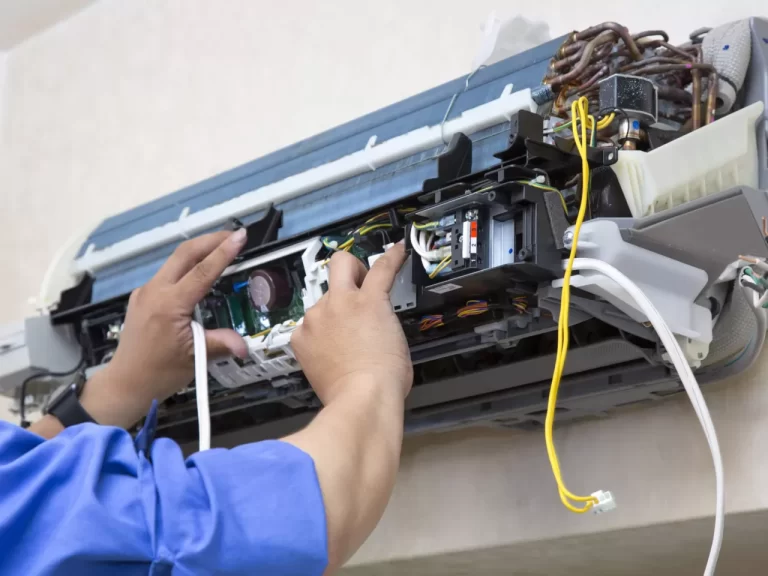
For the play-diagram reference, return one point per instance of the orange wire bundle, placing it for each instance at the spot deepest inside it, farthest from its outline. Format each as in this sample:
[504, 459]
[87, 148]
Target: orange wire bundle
[473, 308]
[431, 321]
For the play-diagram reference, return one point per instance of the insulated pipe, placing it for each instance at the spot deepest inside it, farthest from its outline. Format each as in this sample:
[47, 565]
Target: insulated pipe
[728, 48]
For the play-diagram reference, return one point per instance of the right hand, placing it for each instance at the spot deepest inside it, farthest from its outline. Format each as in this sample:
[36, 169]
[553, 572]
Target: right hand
[351, 336]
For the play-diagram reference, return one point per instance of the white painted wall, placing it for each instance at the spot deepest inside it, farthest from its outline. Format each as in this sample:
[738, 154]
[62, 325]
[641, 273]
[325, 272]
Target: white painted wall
[128, 101]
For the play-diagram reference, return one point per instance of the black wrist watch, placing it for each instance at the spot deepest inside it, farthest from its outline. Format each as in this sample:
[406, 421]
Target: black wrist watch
[66, 406]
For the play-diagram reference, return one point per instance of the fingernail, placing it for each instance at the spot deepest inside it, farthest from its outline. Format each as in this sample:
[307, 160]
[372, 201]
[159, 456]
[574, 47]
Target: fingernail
[238, 236]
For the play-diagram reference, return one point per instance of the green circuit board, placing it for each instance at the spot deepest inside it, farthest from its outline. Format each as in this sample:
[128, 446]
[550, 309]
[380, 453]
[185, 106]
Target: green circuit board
[246, 320]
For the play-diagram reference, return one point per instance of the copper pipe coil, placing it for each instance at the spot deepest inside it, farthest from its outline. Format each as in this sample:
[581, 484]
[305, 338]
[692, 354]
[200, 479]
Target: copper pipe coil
[586, 55]
[647, 61]
[568, 49]
[622, 31]
[674, 94]
[647, 33]
[696, 96]
[712, 80]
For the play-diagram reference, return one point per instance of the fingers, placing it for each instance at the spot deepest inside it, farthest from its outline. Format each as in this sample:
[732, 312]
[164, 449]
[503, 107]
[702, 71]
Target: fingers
[382, 274]
[198, 281]
[188, 254]
[224, 342]
[345, 273]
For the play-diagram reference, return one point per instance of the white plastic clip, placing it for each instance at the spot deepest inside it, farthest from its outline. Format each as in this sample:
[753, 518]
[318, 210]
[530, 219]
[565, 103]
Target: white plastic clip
[504, 93]
[605, 502]
[84, 258]
[184, 214]
[368, 153]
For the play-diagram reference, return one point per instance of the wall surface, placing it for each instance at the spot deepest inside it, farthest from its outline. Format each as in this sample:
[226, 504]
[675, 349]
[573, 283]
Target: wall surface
[20, 20]
[128, 101]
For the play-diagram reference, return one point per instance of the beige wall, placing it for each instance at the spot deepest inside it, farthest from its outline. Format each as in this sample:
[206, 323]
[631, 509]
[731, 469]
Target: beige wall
[128, 101]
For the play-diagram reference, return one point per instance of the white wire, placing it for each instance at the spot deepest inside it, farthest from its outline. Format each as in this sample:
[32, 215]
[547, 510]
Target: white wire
[417, 243]
[689, 383]
[201, 386]
[424, 240]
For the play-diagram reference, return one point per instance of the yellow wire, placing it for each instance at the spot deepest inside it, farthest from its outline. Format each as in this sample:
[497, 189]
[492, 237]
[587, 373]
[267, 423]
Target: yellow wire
[547, 188]
[365, 230]
[579, 115]
[346, 246]
[439, 267]
[606, 121]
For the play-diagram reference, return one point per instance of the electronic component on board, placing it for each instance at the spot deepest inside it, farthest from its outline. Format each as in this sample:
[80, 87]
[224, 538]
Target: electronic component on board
[269, 289]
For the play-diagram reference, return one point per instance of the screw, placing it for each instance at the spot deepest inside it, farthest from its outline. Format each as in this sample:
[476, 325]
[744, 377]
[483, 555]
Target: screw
[568, 237]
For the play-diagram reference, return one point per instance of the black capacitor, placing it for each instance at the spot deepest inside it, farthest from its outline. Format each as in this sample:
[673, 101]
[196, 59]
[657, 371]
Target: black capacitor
[269, 289]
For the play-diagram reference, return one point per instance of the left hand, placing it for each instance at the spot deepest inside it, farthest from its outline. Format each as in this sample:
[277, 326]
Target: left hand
[155, 358]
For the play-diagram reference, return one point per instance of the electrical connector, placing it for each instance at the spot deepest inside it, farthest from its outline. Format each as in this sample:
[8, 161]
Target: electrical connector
[605, 502]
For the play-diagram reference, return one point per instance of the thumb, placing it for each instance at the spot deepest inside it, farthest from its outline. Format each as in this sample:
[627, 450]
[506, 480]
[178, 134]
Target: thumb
[225, 342]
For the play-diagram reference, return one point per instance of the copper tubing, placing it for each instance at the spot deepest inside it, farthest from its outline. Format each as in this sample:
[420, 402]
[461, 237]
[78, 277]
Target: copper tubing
[599, 53]
[679, 51]
[696, 94]
[571, 48]
[674, 94]
[615, 27]
[661, 69]
[602, 71]
[713, 81]
[648, 61]
[586, 55]
[647, 33]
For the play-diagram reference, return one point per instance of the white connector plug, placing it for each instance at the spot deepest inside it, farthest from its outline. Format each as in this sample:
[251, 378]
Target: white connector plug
[605, 502]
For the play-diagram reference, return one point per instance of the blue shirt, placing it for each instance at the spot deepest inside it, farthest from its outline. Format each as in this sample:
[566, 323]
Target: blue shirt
[94, 501]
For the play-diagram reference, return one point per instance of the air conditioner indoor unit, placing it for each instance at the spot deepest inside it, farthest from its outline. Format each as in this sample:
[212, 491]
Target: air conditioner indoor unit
[483, 181]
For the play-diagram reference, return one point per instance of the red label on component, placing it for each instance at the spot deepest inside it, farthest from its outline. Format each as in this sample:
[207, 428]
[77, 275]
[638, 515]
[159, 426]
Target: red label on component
[473, 229]
[473, 237]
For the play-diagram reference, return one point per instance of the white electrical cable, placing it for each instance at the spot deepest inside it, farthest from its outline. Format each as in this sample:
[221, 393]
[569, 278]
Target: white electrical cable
[417, 243]
[689, 383]
[424, 240]
[201, 386]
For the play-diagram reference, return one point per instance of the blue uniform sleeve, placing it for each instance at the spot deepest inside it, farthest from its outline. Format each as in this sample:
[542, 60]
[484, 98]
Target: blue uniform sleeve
[89, 502]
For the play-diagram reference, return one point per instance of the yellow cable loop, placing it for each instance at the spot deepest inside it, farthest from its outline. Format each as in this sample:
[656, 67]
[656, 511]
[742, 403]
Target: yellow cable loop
[579, 115]
[443, 263]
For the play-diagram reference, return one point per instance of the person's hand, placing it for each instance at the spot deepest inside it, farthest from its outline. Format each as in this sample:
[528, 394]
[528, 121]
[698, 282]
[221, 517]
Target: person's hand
[155, 357]
[351, 337]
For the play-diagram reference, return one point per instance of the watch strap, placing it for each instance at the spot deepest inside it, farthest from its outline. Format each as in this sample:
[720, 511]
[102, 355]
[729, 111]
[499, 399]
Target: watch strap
[67, 408]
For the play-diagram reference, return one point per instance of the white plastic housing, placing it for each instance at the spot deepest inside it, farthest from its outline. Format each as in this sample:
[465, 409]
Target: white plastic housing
[605, 502]
[714, 158]
[315, 274]
[269, 358]
[672, 286]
